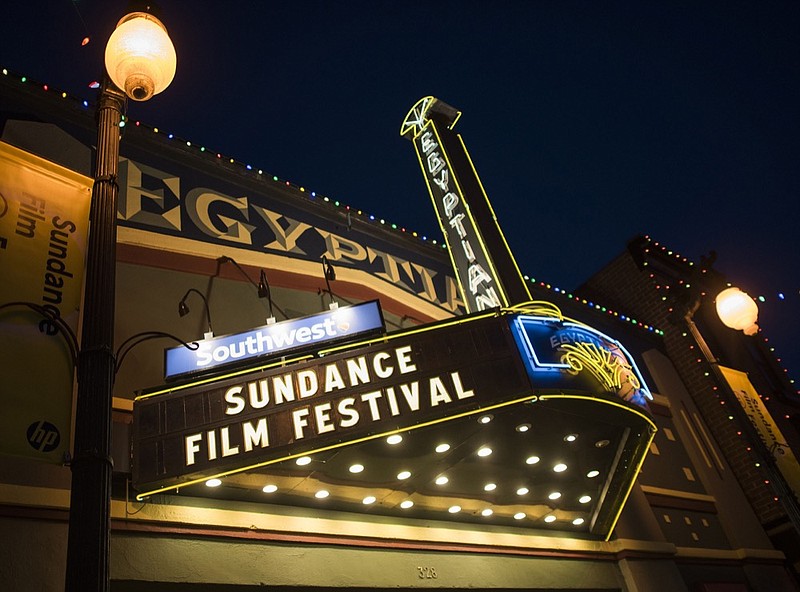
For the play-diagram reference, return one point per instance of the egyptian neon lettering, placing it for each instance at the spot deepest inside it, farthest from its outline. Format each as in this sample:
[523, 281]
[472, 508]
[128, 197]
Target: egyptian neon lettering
[479, 281]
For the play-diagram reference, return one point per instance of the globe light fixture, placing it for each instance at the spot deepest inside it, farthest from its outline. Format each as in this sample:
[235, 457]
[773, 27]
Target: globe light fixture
[737, 310]
[140, 58]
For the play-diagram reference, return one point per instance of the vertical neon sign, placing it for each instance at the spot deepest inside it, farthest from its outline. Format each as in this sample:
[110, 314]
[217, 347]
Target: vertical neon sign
[486, 271]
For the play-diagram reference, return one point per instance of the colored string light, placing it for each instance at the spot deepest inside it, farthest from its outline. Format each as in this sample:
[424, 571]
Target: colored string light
[781, 296]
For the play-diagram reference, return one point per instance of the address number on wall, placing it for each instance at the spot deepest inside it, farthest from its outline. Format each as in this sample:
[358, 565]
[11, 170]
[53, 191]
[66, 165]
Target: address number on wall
[427, 573]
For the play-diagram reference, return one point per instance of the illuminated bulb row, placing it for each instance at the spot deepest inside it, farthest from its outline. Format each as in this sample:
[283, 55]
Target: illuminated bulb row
[372, 217]
[595, 306]
[550, 518]
[85, 104]
[406, 504]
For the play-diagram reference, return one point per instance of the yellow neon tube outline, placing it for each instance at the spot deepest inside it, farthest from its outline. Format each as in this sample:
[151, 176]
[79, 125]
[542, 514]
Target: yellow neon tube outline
[536, 308]
[411, 331]
[630, 485]
[530, 397]
[547, 309]
[641, 460]
[605, 402]
[215, 378]
[494, 216]
[450, 250]
[419, 122]
[486, 252]
[425, 104]
[321, 353]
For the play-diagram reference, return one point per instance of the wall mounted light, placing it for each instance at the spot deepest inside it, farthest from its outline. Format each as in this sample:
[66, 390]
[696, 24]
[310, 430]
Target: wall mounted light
[262, 288]
[330, 275]
[183, 310]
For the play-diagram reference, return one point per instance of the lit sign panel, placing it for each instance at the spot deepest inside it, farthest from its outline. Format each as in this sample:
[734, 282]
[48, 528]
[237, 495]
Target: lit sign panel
[291, 336]
[401, 381]
[254, 419]
[487, 274]
[555, 347]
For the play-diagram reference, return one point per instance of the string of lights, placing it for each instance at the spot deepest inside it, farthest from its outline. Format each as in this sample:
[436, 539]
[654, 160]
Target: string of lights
[776, 295]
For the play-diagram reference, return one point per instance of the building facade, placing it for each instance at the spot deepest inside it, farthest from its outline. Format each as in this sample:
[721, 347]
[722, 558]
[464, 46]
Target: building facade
[205, 235]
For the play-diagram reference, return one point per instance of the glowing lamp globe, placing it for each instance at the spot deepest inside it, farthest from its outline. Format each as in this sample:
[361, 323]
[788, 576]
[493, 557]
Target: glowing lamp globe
[737, 310]
[140, 57]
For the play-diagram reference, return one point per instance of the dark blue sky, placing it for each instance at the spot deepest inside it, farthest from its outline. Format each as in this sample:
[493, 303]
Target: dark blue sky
[589, 122]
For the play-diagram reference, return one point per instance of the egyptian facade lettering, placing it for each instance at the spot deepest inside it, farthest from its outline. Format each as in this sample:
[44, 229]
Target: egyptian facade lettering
[160, 202]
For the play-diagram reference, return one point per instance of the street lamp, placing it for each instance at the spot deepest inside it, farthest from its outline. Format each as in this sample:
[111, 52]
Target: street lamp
[737, 310]
[141, 60]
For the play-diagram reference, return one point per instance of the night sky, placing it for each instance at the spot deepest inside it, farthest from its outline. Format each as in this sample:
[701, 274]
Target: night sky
[588, 122]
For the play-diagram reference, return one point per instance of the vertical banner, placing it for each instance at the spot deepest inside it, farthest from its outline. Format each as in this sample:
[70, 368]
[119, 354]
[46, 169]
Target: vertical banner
[44, 219]
[770, 434]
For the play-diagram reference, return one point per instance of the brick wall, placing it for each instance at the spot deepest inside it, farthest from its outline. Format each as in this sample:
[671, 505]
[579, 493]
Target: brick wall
[624, 285]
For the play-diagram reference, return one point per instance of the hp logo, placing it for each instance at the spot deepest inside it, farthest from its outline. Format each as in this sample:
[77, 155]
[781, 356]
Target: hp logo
[43, 436]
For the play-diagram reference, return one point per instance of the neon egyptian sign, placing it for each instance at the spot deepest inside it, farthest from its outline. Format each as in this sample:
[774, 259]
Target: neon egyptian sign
[486, 271]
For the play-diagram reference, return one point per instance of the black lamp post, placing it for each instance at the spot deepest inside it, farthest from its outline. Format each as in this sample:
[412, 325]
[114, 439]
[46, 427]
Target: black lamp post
[141, 60]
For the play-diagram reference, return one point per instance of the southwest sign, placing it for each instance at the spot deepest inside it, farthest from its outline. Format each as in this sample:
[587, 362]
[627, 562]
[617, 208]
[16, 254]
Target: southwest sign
[410, 379]
[277, 339]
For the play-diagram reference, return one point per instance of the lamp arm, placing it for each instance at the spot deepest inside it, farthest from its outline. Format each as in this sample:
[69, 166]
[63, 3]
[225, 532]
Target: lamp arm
[226, 259]
[329, 273]
[205, 303]
[61, 324]
[138, 338]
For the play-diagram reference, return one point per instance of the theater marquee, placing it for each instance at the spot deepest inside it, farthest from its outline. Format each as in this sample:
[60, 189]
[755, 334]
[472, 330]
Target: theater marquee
[190, 432]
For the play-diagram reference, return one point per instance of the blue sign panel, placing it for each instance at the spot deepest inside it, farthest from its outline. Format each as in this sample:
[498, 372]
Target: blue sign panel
[341, 324]
[559, 347]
